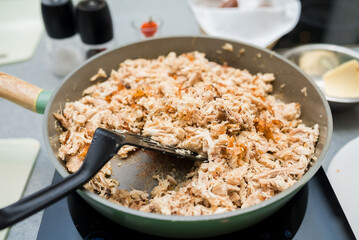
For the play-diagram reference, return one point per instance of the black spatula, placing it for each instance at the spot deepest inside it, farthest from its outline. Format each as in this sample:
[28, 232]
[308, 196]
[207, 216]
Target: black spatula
[105, 145]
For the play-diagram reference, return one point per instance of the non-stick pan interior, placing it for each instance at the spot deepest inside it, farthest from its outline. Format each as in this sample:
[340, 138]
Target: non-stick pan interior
[290, 84]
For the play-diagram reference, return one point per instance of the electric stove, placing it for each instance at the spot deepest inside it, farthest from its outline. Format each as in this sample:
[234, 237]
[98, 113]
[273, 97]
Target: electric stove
[313, 213]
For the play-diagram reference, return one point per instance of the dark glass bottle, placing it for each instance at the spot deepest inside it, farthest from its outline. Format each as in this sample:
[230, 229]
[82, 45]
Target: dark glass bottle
[94, 24]
[62, 41]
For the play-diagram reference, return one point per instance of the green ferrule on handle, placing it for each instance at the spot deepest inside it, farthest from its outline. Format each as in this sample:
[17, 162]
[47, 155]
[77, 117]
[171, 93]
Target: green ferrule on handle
[42, 101]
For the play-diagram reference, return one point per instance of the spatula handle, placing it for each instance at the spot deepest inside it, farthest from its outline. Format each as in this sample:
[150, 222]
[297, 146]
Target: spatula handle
[23, 93]
[103, 147]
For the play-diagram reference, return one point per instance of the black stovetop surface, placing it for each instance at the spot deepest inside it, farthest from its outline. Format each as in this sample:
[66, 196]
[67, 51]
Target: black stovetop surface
[325, 21]
[313, 213]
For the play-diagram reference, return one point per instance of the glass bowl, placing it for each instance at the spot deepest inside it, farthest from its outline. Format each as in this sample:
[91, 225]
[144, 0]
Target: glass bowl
[144, 29]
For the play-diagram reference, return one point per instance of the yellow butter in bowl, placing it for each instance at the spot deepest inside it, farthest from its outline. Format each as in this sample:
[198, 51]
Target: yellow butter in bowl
[343, 81]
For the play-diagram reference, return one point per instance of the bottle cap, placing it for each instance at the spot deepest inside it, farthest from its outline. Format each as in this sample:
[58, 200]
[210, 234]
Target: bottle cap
[94, 21]
[58, 17]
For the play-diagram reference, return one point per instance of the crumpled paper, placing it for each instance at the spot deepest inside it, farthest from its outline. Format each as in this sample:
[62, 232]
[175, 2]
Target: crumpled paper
[251, 22]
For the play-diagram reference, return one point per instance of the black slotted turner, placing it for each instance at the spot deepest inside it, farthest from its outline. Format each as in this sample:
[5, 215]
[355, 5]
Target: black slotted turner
[105, 145]
[146, 142]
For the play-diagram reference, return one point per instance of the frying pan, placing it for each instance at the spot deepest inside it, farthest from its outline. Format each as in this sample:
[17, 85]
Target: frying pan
[138, 168]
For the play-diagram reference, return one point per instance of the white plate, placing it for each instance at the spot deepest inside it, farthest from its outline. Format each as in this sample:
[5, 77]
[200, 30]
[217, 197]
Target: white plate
[20, 29]
[17, 157]
[343, 174]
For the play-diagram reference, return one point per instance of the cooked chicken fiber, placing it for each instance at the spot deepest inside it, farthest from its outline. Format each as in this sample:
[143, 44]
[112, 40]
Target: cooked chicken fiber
[257, 145]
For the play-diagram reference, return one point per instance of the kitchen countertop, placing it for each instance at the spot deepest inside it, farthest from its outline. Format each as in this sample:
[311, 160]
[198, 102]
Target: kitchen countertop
[16, 122]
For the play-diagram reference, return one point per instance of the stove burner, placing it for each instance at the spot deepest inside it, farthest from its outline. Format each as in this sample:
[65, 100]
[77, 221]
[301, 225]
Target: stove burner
[286, 221]
[313, 213]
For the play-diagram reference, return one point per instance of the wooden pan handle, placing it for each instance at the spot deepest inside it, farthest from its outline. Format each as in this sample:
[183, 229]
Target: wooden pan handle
[19, 92]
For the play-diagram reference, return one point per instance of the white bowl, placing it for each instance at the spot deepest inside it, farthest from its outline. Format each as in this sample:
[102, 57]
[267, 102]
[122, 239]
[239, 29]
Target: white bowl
[248, 23]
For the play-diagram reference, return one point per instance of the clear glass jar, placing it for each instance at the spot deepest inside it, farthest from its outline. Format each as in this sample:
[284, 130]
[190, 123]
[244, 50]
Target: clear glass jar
[64, 54]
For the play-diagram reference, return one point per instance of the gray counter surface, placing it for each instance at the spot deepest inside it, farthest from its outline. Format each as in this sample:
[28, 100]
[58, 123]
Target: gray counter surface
[16, 122]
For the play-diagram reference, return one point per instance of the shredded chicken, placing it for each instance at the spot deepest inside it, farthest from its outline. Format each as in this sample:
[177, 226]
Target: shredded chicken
[100, 73]
[228, 47]
[256, 145]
